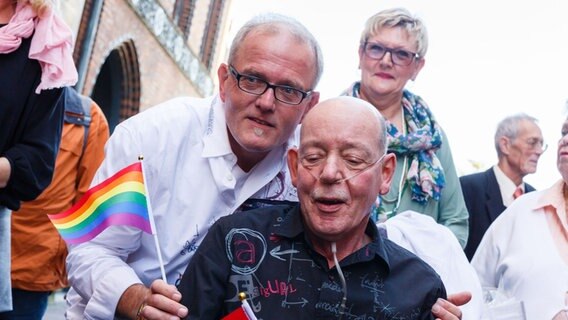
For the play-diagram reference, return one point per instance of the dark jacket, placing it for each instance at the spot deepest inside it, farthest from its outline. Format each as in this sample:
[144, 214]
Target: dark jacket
[30, 127]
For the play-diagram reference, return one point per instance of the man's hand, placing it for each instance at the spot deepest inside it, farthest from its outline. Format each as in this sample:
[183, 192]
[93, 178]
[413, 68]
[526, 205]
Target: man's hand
[448, 309]
[160, 301]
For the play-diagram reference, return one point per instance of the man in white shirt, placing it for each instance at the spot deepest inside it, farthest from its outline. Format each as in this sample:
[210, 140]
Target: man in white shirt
[519, 145]
[203, 159]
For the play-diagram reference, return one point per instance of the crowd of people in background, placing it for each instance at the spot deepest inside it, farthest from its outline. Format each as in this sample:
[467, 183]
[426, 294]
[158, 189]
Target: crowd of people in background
[348, 207]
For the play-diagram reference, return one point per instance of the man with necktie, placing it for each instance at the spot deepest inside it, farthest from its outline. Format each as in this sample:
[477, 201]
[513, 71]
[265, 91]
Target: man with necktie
[519, 145]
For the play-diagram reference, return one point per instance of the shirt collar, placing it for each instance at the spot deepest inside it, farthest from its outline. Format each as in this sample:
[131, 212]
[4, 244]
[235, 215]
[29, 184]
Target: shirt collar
[215, 136]
[553, 196]
[292, 226]
[506, 185]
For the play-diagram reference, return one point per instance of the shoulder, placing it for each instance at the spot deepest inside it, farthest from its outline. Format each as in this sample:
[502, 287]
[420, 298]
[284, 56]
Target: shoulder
[256, 218]
[403, 260]
[175, 115]
[473, 178]
[97, 113]
[519, 210]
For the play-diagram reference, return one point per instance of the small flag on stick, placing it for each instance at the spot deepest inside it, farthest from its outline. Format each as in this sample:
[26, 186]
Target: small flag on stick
[244, 312]
[119, 200]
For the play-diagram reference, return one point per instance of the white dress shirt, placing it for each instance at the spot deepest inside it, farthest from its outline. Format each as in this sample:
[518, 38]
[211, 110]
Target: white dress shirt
[189, 169]
[519, 255]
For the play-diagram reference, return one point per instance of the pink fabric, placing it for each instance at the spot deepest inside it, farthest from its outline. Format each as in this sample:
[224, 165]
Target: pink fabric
[51, 45]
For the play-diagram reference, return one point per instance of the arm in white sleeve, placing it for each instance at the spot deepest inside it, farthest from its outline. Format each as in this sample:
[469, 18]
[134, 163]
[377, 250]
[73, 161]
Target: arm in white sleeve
[486, 258]
[97, 269]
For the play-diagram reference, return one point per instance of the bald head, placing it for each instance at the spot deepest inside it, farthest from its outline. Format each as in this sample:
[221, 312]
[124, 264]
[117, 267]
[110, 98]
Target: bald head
[339, 168]
[339, 112]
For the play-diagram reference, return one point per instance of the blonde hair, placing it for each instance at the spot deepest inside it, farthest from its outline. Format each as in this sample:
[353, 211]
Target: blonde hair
[398, 17]
[39, 6]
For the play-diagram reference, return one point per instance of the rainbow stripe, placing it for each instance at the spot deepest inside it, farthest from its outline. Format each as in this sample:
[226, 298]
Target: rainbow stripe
[119, 200]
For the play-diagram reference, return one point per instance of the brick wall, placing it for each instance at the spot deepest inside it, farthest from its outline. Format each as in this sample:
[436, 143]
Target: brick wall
[160, 77]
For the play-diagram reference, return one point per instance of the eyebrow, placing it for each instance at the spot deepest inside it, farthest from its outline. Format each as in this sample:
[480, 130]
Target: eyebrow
[345, 147]
[287, 83]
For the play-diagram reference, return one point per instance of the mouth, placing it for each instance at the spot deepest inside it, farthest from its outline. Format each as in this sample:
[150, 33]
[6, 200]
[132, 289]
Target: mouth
[327, 204]
[261, 122]
[384, 75]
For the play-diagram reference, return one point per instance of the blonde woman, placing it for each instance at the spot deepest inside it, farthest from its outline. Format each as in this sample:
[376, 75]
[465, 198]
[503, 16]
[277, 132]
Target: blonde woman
[392, 52]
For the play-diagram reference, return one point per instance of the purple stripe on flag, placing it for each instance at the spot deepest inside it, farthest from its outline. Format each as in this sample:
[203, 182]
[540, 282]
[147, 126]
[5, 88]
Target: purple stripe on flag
[128, 219]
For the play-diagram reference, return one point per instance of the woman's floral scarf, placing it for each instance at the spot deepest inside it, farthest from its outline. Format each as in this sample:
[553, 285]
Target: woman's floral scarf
[425, 176]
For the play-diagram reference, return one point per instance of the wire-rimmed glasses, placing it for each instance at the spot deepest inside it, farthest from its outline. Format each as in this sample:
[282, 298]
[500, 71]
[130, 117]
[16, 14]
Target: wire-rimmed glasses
[536, 144]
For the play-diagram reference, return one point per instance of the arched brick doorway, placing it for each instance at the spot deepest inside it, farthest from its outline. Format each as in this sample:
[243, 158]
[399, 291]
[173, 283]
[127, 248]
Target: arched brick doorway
[117, 88]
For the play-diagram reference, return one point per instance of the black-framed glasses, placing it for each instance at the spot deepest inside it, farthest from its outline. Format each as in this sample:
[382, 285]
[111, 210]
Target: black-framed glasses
[399, 57]
[257, 86]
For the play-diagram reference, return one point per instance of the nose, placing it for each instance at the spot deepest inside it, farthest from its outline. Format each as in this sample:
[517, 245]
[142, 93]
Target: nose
[387, 59]
[266, 101]
[331, 172]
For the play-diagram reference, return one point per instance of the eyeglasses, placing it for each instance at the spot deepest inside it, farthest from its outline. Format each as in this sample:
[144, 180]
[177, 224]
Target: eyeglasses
[536, 144]
[399, 57]
[257, 86]
[351, 168]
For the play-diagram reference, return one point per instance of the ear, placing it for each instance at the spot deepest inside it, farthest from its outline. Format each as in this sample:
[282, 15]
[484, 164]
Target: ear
[387, 172]
[505, 145]
[313, 100]
[223, 75]
[360, 56]
[419, 65]
[293, 165]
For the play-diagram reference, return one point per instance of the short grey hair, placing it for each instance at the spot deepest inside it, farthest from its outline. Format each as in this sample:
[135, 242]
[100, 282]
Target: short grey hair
[401, 18]
[509, 128]
[274, 22]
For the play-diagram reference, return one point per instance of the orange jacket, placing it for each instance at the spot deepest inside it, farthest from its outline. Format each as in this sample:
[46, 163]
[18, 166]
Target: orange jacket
[38, 252]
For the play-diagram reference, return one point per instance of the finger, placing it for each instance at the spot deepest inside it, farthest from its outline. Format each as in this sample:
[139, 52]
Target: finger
[166, 305]
[445, 310]
[152, 313]
[460, 298]
[167, 290]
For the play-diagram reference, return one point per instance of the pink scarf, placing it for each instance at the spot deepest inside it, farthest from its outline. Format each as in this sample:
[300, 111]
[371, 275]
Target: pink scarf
[51, 45]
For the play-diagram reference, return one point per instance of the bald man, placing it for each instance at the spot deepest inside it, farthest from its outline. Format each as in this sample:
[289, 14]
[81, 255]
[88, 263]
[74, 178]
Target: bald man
[323, 257]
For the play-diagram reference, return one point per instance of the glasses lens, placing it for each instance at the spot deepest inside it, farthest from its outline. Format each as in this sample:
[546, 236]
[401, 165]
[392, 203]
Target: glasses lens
[288, 95]
[402, 57]
[252, 84]
[374, 50]
[536, 144]
[349, 167]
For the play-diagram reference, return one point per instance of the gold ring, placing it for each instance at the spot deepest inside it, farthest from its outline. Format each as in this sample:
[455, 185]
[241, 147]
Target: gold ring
[140, 310]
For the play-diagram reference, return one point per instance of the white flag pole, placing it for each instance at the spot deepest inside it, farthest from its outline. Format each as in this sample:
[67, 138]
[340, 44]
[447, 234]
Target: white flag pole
[152, 224]
[246, 306]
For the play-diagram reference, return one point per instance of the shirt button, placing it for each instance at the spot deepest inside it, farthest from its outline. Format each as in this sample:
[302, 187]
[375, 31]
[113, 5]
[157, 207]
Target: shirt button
[229, 177]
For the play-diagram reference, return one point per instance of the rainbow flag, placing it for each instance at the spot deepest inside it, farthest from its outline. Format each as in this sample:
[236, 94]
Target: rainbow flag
[119, 200]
